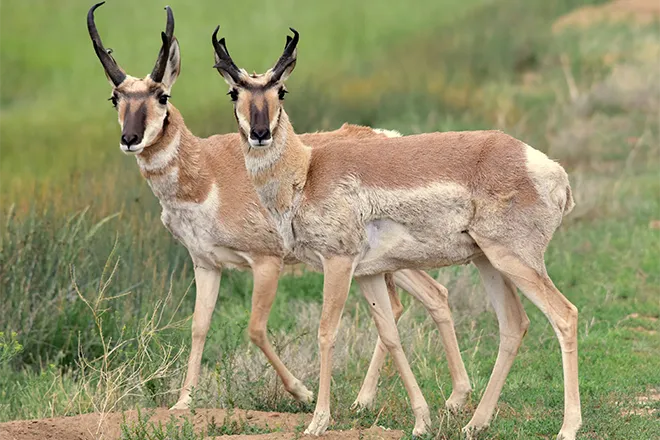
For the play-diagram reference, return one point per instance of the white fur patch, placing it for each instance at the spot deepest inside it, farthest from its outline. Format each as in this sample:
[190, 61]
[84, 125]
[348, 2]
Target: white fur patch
[243, 122]
[550, 180]
[164, 157]
[388, 133]
[258, 163]
[165, 186]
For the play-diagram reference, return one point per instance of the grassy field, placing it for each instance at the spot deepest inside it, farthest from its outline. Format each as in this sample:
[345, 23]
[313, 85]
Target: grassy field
[96, 296]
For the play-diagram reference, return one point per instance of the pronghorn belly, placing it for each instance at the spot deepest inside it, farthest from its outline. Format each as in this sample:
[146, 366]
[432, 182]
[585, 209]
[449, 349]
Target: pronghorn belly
[389, 229]
[393, 246]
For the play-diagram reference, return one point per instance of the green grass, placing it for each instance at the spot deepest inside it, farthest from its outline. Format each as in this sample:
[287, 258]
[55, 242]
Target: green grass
[79, 222]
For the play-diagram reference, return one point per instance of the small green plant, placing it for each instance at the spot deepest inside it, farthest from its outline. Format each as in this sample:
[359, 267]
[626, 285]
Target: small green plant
[231, 426]
[9, 347]
[143, 429]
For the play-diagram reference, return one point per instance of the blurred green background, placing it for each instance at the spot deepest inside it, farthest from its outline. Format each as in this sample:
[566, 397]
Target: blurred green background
[576, 79]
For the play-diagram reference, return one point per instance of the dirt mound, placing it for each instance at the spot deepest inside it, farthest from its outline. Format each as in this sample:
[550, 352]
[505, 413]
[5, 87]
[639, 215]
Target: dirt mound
[108, 426]
[639, 11]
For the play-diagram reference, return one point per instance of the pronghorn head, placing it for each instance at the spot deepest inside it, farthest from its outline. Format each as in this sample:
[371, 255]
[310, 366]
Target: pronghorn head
[142, 103]
[257, 98]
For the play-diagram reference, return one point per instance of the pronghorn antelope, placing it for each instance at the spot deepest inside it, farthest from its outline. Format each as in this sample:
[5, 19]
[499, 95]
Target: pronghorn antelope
[209, 204]
[370, 206]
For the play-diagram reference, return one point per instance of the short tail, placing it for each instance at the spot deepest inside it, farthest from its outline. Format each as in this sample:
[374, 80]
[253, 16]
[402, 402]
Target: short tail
[561, 195]
[569, 203]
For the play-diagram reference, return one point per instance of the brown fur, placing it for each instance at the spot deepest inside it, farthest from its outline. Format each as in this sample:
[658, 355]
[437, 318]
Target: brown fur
[488, 162]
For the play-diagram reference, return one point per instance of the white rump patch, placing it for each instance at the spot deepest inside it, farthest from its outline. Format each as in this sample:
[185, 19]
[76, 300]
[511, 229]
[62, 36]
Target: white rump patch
[550, 179]
[386, 132]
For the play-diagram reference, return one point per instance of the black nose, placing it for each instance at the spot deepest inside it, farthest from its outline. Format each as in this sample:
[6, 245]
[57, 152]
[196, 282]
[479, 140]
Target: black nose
[260, 134]
[130, 139]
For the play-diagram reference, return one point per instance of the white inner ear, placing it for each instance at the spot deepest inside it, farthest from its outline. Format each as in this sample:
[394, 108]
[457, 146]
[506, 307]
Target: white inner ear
[228, 79]
[173, 65]
[289, 69]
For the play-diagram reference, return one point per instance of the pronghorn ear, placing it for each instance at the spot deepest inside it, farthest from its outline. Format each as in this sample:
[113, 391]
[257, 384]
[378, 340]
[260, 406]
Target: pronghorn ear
[173, 66]
[289, 68]
[225, 74]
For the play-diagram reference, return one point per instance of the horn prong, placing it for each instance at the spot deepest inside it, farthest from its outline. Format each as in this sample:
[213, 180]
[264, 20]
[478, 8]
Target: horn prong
[288, 56]
[166, 37]
[224, 64]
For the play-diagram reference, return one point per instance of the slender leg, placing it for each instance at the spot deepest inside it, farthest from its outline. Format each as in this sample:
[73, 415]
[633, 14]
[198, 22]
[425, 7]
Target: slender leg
[532, 279]
[513, 324]
[367, 394]
[434, 297]
[207, 282]
[375, 291]
[266, 271]
[337, 273]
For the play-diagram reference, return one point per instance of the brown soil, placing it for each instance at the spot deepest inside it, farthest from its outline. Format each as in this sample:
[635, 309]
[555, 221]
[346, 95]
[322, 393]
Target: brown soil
[638, 11]
[644, 405]
[108, 426]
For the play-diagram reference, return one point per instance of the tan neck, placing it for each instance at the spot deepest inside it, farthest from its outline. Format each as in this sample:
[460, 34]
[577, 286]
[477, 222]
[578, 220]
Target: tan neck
[278, 172]
[172, 164]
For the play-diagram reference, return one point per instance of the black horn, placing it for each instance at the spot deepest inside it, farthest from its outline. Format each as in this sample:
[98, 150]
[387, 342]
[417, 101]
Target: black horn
[224, 63]
[288, 57]
[112, 69]
[167, 37]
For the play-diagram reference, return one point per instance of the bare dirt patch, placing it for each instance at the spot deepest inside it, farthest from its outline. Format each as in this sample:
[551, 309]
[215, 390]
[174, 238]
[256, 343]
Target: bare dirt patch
[644, 404]
[638, 11]
[108, 426]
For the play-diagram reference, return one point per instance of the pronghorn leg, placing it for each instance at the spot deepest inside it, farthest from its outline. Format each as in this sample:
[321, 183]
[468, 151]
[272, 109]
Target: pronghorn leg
[532, 279]
[365, 398]
[374, 290]
[337, 273]
[434, 297]
[513, 323]
[207, 282]
[266, 272]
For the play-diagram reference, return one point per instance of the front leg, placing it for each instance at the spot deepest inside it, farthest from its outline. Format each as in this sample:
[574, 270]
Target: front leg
[337, 273]
[266, 272]
[207, 282]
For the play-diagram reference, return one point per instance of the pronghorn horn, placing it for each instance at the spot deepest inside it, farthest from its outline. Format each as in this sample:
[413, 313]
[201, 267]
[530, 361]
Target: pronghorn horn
[288, 57]
[112, 69]
[224, 64]
[167, 37]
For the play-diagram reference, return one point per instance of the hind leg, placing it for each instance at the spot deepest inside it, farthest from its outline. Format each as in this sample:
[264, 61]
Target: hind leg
[530, 277]
[513, 323]
[434, 297]
[367, 394]
[375, 291]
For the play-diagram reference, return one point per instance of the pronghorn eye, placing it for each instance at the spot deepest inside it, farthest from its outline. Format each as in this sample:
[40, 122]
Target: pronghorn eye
[162, 99]
[114, 100]
[281, 92]
[233, 94]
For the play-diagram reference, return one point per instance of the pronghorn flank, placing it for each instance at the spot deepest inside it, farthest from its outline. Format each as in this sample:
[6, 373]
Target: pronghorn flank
[370, 206]
[209, 204]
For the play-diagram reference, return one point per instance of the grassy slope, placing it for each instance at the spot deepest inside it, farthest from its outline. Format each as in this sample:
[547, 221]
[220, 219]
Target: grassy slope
[604, 259]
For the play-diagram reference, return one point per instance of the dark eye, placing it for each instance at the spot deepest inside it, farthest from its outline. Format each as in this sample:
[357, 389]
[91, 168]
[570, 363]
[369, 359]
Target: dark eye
[233, 94]
[162, 99]
[114, 100]
[281, 92]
